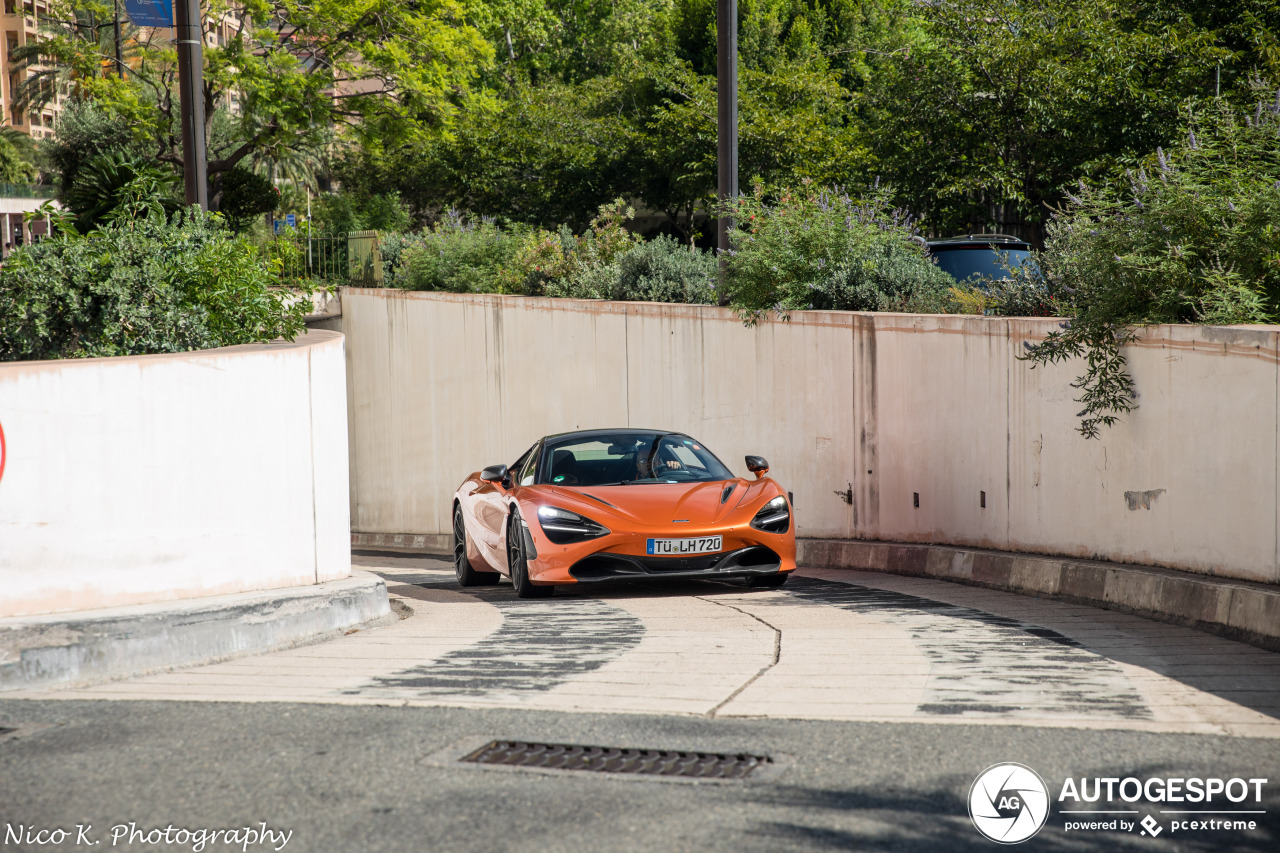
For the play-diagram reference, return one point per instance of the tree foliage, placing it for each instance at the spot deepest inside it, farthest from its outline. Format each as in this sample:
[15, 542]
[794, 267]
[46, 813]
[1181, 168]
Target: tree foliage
[593, 100]
[1192, 235]
[1003, 105]
[141, 283]
[379, 69]
[804, 248]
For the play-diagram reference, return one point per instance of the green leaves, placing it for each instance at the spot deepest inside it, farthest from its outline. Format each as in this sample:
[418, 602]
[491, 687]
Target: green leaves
[983, 124]
[809, 248]
[382, 70]
[120, 183]
[1189, 236]
[140, 286]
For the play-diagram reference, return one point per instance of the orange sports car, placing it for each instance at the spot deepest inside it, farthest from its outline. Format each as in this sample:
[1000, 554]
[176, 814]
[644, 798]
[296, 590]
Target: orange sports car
[616, 504]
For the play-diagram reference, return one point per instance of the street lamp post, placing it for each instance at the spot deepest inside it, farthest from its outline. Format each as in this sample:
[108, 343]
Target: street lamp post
[115, 20]
[726, 124]
[191, 90]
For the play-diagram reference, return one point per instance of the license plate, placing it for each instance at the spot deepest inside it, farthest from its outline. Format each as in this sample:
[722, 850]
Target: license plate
[674, 547]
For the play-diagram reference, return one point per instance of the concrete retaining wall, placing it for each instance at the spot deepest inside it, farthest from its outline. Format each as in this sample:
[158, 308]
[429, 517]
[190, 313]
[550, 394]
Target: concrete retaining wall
[1242, 610]
[862, 416]
[156, 478]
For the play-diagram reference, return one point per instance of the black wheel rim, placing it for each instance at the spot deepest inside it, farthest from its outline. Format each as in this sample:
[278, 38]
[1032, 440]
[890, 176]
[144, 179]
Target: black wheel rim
[459, 543]
[515, 553]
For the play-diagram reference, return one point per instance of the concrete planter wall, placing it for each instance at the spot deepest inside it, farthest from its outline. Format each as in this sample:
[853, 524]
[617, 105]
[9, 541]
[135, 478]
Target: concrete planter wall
[155, 478]
[862, 416]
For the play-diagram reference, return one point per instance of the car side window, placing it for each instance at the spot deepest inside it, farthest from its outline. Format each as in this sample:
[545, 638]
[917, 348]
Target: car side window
[529, 472]
[514, 468]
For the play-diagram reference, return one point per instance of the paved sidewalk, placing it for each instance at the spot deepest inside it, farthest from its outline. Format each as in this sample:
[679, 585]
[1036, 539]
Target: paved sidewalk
[831, 645]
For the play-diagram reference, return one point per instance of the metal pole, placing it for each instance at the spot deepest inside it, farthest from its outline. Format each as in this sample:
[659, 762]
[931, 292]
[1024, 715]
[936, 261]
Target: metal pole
[726, 123]
[116, 21]
[191, 88]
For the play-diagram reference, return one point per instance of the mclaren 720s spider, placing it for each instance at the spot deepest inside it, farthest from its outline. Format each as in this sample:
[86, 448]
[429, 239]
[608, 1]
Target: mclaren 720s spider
[617, 504]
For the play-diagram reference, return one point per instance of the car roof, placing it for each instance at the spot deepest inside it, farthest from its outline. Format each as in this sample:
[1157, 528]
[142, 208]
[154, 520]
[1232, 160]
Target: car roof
[610, 431]
[976, 241]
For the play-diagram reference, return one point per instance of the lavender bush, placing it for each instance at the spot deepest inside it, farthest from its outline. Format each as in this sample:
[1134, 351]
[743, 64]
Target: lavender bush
[1192, 237]
[807, 248]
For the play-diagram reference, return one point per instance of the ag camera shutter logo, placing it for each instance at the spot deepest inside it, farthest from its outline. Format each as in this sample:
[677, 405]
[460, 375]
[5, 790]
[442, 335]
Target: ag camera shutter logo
[1008, 803]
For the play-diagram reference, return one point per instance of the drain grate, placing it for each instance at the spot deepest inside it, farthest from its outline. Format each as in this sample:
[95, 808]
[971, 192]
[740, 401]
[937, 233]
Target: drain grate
[608, 759]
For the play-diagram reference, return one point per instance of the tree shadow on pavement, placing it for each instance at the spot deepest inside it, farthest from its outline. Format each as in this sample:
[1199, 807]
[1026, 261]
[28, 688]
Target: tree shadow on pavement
[859, 819]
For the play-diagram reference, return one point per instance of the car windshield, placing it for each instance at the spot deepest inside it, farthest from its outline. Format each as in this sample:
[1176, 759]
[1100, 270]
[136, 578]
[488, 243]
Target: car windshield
[973, 262]
[631, 458]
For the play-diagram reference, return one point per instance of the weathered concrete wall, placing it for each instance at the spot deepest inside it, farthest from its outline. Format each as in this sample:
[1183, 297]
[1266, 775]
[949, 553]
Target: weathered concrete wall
[877, 408]
[155, 478]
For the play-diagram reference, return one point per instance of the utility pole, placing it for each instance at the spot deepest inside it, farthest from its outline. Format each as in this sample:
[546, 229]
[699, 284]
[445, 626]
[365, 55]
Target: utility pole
[191, 90]
[115, 19]
[726, 125]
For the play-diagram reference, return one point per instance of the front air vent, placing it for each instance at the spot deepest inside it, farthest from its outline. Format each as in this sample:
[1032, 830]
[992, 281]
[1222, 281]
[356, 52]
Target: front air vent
[728, 490]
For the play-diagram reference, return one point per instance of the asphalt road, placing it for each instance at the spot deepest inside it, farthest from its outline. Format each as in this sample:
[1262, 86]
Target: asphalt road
[881, 698]
[345, 778]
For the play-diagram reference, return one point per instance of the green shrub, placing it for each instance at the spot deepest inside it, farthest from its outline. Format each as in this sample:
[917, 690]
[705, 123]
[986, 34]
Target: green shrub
[246, 197]
[794, 250]
[342, 213]
[663, 270]
[108, 181]
[458, 255]
[391, 247]
[591, 262]
[1193, 237]
[141, 285]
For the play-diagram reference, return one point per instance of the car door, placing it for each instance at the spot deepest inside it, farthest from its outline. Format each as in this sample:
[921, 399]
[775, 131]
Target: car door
[524, 477]
[491, 514]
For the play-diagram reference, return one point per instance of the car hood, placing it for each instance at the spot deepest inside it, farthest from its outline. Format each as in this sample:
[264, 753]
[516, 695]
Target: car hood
[659, 503]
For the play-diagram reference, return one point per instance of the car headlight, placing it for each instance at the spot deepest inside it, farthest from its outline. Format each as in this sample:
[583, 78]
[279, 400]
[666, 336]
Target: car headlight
[563, 527]
[773, 517]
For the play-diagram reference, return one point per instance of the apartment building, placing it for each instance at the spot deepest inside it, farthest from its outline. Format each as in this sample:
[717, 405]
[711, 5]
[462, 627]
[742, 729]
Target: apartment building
[19, 23]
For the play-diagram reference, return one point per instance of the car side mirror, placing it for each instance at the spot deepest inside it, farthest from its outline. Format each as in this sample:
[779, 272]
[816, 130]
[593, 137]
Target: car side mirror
[757, 465]
[494, 474]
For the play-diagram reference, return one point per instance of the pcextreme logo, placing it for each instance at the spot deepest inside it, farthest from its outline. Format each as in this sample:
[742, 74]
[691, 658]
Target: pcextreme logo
[1008, 803]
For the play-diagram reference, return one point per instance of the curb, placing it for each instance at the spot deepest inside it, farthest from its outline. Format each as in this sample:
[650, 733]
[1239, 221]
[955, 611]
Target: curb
[117, 642]
[1240, 610]
[413, 543]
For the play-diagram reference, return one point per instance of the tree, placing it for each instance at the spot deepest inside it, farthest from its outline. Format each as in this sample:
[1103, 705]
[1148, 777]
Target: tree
[380, 69]
[1191, 236]
[245, 197]
[14, 167]
[594, 100]
[84, 131]
[1005, 104]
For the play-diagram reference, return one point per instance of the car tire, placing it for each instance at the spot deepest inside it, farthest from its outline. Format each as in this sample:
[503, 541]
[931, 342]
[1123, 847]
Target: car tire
[466, 575]
[768, 581]
[518, 562]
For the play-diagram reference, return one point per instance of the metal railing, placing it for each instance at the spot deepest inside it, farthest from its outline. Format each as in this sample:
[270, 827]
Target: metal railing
[27, 191]
[351, 258]
[319, 257]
